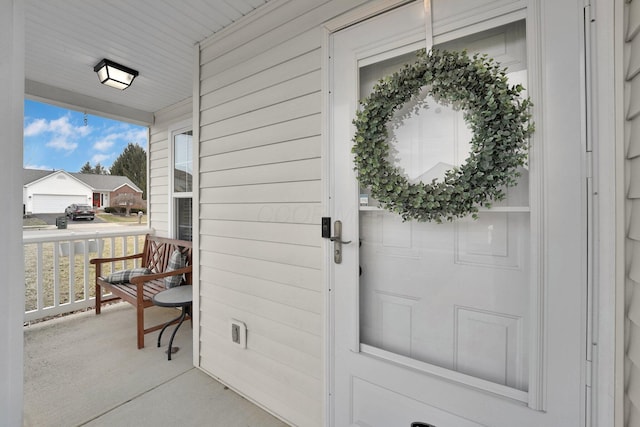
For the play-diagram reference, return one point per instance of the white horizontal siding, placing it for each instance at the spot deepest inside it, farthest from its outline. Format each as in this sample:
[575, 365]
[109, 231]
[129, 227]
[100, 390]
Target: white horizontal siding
[260, 172]
[301, 256]
[294, 213]
[293, 234]
[303, 64]
[272, 95]
[287, 274]
[304, 105]
[276, 311]
[268, 380]
[302, 170]
[632, 177]
[284, 296]
[290, 346]
[287, 192]
[299, 149]
[277, 56]
[291, 130]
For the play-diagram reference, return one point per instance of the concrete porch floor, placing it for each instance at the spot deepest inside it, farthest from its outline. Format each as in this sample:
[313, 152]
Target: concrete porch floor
[85, 370]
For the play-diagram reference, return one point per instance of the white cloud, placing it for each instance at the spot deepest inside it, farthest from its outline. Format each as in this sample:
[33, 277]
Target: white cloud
[104, 144]
[138, 136]
[36, 127]
[62, 143]
[63, 133]
[99, 158]
[123, 134]
[40, 167]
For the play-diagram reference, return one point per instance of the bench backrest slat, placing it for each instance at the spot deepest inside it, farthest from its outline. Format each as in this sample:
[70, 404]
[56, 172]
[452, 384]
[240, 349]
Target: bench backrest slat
[158, 250]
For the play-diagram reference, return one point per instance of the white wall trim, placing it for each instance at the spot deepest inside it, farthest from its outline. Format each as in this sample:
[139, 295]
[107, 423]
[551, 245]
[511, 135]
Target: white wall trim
[611, 385]
[606, 134]
[345, 20]
[252, 18]
[173, 129]
[327, 209]
[75, 101]
[12, 46]
[171, 110]
[362, 13]
[195, 236]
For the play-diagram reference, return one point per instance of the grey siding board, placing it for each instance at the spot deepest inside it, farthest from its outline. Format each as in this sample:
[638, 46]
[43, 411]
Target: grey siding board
[291, 213]
[291, 171]
[632, 180]
[301, 106]
[279, 73]
[292, 130]
[288, 254]
[292, 275]
[299, 149]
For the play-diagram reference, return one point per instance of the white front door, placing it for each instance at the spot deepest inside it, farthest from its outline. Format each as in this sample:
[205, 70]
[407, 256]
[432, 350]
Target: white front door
[475, 322]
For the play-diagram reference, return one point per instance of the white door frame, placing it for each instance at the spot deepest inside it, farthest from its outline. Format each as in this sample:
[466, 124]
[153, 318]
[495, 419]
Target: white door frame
[606, 102]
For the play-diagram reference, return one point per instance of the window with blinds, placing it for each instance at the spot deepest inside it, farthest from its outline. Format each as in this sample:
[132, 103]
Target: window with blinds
[181, 164]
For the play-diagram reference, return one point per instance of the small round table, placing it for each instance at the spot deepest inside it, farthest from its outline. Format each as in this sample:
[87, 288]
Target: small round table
[180, 296]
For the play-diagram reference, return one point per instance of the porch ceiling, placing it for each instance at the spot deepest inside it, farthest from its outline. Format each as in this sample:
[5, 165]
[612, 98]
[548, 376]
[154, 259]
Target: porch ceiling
[65, 39]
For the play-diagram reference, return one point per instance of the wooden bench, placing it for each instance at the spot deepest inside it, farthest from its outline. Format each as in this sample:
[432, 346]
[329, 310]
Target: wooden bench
[141, 289]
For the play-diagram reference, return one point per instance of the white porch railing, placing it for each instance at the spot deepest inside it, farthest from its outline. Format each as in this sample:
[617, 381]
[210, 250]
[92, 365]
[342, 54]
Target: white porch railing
[58, 276]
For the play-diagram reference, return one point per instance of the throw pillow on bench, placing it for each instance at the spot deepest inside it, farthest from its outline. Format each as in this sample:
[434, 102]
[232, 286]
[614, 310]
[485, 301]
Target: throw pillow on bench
[125, 276]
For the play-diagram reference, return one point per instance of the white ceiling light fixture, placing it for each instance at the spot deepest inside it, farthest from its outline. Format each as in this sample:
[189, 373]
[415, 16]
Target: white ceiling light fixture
[115, 75]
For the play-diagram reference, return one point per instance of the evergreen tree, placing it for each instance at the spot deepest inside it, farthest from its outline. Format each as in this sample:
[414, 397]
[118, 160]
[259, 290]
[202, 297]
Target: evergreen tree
[86, 168]
[98, 169]
[132, 163]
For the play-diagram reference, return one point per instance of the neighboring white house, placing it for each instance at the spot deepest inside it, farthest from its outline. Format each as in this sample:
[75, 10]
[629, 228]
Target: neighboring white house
[527, 317]
[52, 191]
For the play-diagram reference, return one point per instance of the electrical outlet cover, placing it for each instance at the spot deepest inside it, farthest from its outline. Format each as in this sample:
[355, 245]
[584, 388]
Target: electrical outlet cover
[238, 333]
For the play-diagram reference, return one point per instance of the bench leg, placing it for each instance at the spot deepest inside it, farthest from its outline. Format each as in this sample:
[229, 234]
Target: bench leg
[140, 319]
[98, 298]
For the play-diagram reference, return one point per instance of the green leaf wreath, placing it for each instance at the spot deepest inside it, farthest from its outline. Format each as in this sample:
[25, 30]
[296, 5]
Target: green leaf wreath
[495, 112]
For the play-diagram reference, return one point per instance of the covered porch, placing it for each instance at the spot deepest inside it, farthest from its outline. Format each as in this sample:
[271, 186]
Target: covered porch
[84, 369]
[246, 88]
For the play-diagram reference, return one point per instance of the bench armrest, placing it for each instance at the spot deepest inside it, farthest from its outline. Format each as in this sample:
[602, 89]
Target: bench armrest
[120, 258]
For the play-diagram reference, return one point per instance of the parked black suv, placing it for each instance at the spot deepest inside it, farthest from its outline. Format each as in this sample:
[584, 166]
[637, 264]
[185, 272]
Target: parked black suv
[79, 211]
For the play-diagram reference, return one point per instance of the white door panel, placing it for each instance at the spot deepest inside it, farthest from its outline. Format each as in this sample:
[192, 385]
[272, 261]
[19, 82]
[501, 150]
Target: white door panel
[474, 322]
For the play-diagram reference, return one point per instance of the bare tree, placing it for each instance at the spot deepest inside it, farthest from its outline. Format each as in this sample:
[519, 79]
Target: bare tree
[128, 200]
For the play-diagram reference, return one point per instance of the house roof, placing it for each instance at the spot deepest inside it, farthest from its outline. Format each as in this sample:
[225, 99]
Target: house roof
[64, 40]
[96, 182]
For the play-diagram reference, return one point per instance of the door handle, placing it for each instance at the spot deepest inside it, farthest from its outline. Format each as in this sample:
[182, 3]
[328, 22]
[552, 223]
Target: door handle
[338, 242]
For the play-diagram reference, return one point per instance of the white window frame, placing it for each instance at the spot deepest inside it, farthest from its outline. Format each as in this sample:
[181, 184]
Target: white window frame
[176, 129]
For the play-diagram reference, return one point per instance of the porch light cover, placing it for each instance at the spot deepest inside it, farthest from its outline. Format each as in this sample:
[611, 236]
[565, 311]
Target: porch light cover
[114, 75]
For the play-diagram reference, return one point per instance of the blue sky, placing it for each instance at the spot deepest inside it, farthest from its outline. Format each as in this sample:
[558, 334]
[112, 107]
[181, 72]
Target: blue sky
[57, 138]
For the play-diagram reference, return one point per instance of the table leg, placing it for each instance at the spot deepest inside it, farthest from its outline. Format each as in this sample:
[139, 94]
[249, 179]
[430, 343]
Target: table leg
[169, 323]
[182, 316]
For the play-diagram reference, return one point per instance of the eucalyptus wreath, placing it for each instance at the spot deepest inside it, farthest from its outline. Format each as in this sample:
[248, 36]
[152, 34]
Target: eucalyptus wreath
[495, 112]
